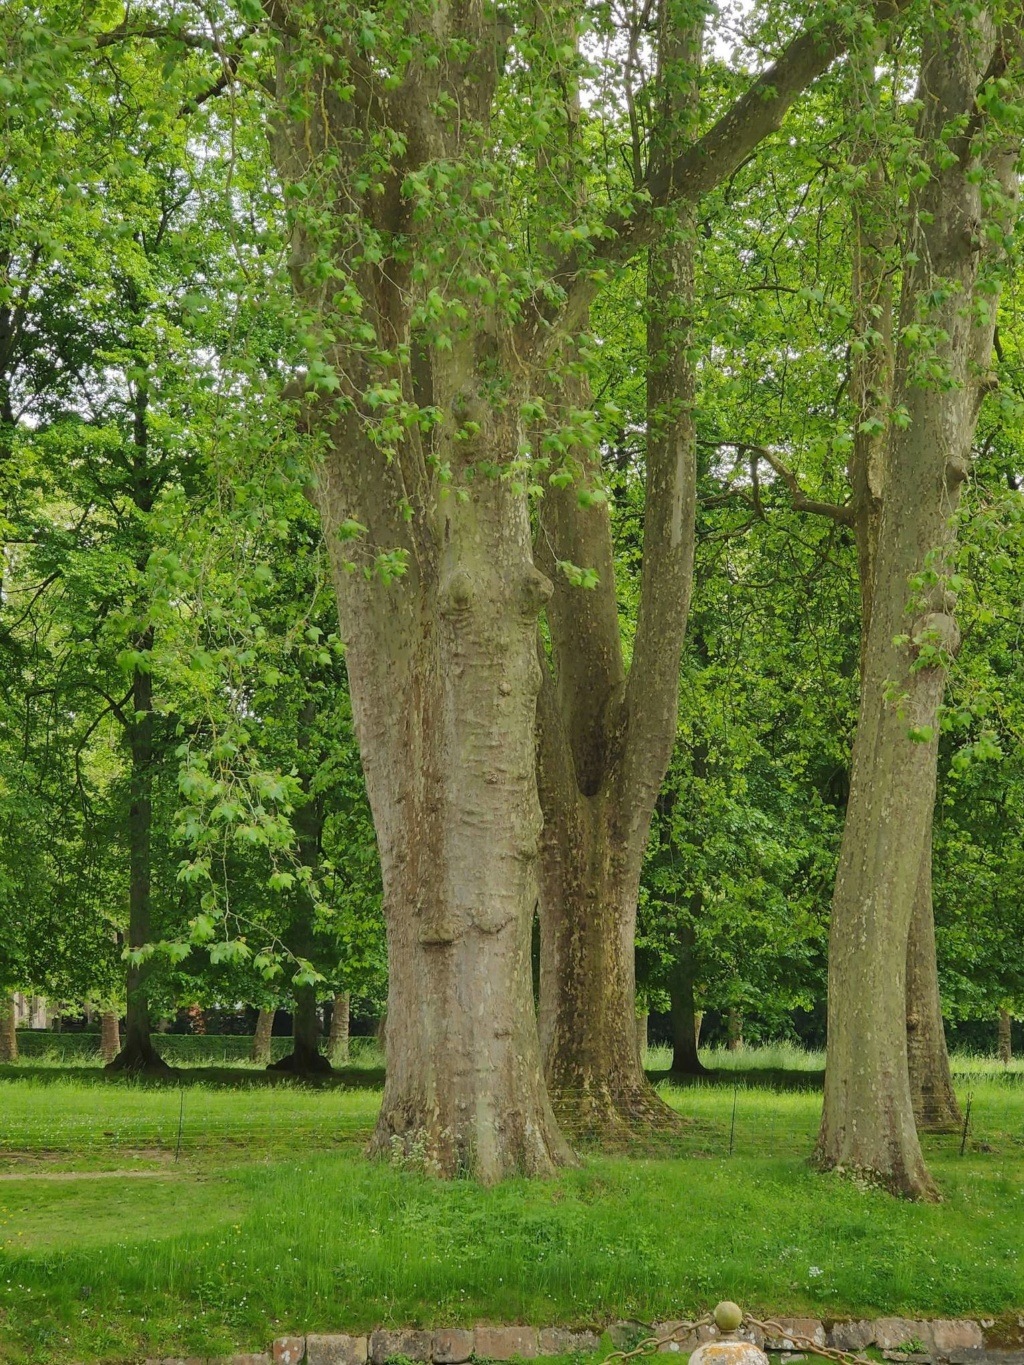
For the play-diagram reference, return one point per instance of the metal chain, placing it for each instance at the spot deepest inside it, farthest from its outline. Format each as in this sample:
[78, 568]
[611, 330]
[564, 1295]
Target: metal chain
[769, 1327]
[649, 1344]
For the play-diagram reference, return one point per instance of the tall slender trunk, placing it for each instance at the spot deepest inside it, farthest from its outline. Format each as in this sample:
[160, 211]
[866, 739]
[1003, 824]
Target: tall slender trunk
[337, 1042]
[931, 1081]
[110, 1035]
[734, 1029]
[1005, 1036]
[868, 1120]
[8, 1028]
[871, 382]
[262, 1034]
[137, 1051]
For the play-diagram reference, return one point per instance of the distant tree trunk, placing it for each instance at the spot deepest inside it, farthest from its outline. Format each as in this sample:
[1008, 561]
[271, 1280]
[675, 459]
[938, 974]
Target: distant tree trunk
[642, 1021]
[305, 1056]
[137, 1051]
[262, 1033]
[868, 1119]
[698, 1022]
[734, 1029]
[110, 1035]
[931, 1083]
[337, 1042]
[8, 1029]
[685, 1020]
[1005, 1036]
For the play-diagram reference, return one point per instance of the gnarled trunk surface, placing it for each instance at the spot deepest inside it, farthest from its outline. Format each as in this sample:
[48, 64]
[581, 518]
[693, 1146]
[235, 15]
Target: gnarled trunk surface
[586, 1009]
[450, 773]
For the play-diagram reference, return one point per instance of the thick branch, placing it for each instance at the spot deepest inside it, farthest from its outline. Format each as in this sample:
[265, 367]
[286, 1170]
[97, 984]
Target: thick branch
[692, 174]
[652, 692]
[840, 512]
[801, 502]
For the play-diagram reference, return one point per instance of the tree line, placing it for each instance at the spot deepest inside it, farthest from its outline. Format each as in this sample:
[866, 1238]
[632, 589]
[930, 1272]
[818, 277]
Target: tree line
[600, 419]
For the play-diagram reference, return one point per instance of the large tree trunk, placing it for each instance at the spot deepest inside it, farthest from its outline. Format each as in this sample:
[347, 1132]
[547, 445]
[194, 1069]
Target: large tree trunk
[868, 1121]
[337, 1042]
[261, 1036]
[110, 1035]
[444, 676]
[1005, 1044]
[605, 740]
[137, 1051]
[440, 621]
[8, 1029]
[871, 382]
[587, 985]
[931, 1083]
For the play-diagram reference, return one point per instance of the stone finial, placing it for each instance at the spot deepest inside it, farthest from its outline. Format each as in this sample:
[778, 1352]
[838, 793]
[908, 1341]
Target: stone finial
[728, 1316]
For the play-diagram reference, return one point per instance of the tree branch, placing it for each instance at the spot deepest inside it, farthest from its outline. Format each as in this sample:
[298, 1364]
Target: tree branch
[839, 512]
[689, 176]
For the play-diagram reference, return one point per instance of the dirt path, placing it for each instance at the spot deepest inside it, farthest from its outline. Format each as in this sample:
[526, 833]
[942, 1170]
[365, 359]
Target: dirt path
[85, 1175]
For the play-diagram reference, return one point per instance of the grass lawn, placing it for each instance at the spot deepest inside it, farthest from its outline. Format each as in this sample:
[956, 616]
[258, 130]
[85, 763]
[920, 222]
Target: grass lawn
[270, 1220]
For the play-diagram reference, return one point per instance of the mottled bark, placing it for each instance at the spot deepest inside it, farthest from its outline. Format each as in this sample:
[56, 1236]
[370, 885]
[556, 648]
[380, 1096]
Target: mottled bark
[734, 1030]
[337, 1041]
[868, 1122]
[931, 1082]
[441, 651]
[110, 1035]
[1005, 1041]
[8, 1029]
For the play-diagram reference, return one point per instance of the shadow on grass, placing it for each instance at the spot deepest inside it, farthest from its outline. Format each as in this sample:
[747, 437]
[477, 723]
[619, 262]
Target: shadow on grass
[219, 1077]
[372, 1078]
[753, 1078]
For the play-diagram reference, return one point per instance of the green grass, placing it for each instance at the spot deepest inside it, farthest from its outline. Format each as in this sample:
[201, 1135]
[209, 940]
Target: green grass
[271, 1220]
